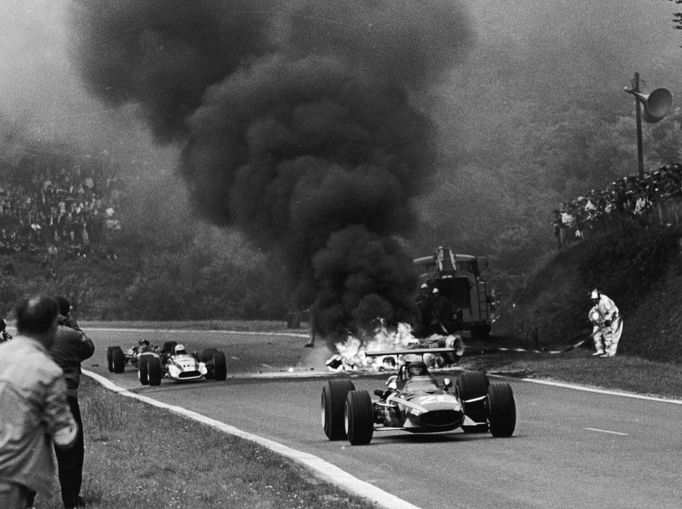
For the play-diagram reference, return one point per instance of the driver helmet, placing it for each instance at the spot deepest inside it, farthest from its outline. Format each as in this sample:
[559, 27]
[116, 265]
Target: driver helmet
[417, 369]
[180, 350]
[594, 295]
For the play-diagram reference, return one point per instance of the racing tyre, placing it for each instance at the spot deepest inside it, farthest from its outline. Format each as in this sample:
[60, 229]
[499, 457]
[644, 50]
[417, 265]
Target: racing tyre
[502, 409]
[168, 347]
[110, 365]
[219, 366]
[154, 370]
[474, 385]
[118, 360]
[143, 369]
[359, 418]
[207, 355]
[333, 401]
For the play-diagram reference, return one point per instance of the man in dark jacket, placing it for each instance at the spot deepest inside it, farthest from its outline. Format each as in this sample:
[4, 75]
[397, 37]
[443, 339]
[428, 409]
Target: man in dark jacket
[4, 335]
[424, 316]
[70, 348]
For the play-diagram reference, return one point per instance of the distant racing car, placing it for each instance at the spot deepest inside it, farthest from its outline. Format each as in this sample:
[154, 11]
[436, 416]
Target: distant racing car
[414, 401]
[171, 361]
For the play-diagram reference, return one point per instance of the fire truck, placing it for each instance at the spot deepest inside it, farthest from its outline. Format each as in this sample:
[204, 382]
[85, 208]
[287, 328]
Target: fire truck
[458, 278]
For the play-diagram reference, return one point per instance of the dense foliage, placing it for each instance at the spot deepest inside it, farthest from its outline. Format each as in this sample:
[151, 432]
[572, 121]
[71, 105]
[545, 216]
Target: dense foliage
[639, 269]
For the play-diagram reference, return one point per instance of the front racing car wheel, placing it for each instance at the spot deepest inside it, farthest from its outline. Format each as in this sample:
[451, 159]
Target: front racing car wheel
[502, 409]
[472, 387]
[333, 400]
[154, 370]
[359, 417]
[143, 369]
[219, 365]
[117, 363]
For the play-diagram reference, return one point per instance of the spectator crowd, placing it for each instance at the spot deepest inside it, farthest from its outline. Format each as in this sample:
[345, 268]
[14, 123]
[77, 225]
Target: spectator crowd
[652, 198]
[69, 209]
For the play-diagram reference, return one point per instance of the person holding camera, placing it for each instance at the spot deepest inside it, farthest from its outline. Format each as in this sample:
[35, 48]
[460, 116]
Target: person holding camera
[71, 347]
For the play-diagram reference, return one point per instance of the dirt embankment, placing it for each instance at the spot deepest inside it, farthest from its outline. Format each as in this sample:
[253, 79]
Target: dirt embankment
[640, 270]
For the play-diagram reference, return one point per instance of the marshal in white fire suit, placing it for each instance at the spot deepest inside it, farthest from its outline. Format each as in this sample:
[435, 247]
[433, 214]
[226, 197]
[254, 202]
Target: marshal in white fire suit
[607, 324]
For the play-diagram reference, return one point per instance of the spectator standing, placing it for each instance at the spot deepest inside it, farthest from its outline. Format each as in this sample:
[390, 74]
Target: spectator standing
[34, 409]
[4, 335]
[424, 311]
[443, 312]
[557, 224]
[71, 347]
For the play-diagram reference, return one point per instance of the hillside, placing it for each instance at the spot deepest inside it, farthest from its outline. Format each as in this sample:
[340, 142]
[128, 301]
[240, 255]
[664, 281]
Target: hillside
[640, 270]
[191, 282]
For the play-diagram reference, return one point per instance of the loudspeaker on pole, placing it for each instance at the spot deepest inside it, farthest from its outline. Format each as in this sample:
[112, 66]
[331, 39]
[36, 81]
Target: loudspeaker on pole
[656, 104]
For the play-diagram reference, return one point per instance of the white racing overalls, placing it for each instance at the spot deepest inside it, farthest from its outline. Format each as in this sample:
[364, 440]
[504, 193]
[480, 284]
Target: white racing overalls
[607, 326]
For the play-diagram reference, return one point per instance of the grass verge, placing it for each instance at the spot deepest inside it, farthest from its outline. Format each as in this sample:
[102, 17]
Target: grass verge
[625, 373]
[142, 456]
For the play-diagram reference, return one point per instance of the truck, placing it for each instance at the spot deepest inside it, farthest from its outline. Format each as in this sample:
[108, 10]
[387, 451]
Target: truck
[458, 278]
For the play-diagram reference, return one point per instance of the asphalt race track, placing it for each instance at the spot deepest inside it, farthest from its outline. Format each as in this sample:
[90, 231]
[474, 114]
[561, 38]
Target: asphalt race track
[571, 448]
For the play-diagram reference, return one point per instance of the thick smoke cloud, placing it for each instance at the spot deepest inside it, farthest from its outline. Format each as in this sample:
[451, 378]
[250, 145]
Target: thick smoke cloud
[297, 124]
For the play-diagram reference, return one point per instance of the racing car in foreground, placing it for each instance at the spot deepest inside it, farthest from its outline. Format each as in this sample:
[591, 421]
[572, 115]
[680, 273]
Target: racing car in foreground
[171, 361]
[414, 401]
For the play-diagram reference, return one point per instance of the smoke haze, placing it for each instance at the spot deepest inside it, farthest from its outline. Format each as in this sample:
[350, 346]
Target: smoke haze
[297, 125]
[285, 115]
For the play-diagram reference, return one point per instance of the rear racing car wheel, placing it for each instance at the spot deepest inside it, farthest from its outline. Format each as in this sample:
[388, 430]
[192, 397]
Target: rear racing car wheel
[359, 417]
[143, 369]
[333, 400]
[207, 354]
[118, 360]
[219, 366]
[473, 385]
[110, 365]
[168, 347]
[502, 409]
[154, 370]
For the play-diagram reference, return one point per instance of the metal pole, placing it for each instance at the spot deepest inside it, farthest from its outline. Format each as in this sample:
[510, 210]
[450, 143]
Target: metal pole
[638, 116]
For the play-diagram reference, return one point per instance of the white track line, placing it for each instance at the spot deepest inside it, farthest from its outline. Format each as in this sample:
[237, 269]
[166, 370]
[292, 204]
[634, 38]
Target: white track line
[608, 431]
[322, 468]
[599, 391]
[208, 331]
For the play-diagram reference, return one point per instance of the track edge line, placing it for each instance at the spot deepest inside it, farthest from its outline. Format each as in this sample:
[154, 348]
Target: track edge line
[317, 465]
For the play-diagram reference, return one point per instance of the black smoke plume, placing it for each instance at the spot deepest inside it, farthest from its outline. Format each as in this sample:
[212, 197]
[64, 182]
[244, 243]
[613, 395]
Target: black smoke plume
[297, 121]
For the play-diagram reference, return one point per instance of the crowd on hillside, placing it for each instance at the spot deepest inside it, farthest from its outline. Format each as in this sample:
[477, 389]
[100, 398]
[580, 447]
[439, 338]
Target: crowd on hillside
[651, 198]
[68, 209]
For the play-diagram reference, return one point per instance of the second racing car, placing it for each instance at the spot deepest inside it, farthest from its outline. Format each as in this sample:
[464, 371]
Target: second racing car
[415, 401]
[170, 361]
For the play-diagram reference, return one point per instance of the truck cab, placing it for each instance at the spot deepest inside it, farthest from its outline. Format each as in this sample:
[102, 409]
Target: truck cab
[457, 277]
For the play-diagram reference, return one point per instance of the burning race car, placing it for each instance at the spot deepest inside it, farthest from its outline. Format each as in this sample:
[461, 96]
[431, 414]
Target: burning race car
[415, 402]
[171, 360]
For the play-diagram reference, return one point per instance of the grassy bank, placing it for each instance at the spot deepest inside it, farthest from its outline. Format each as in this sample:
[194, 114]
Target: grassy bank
[141, 456]
[620, 373]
